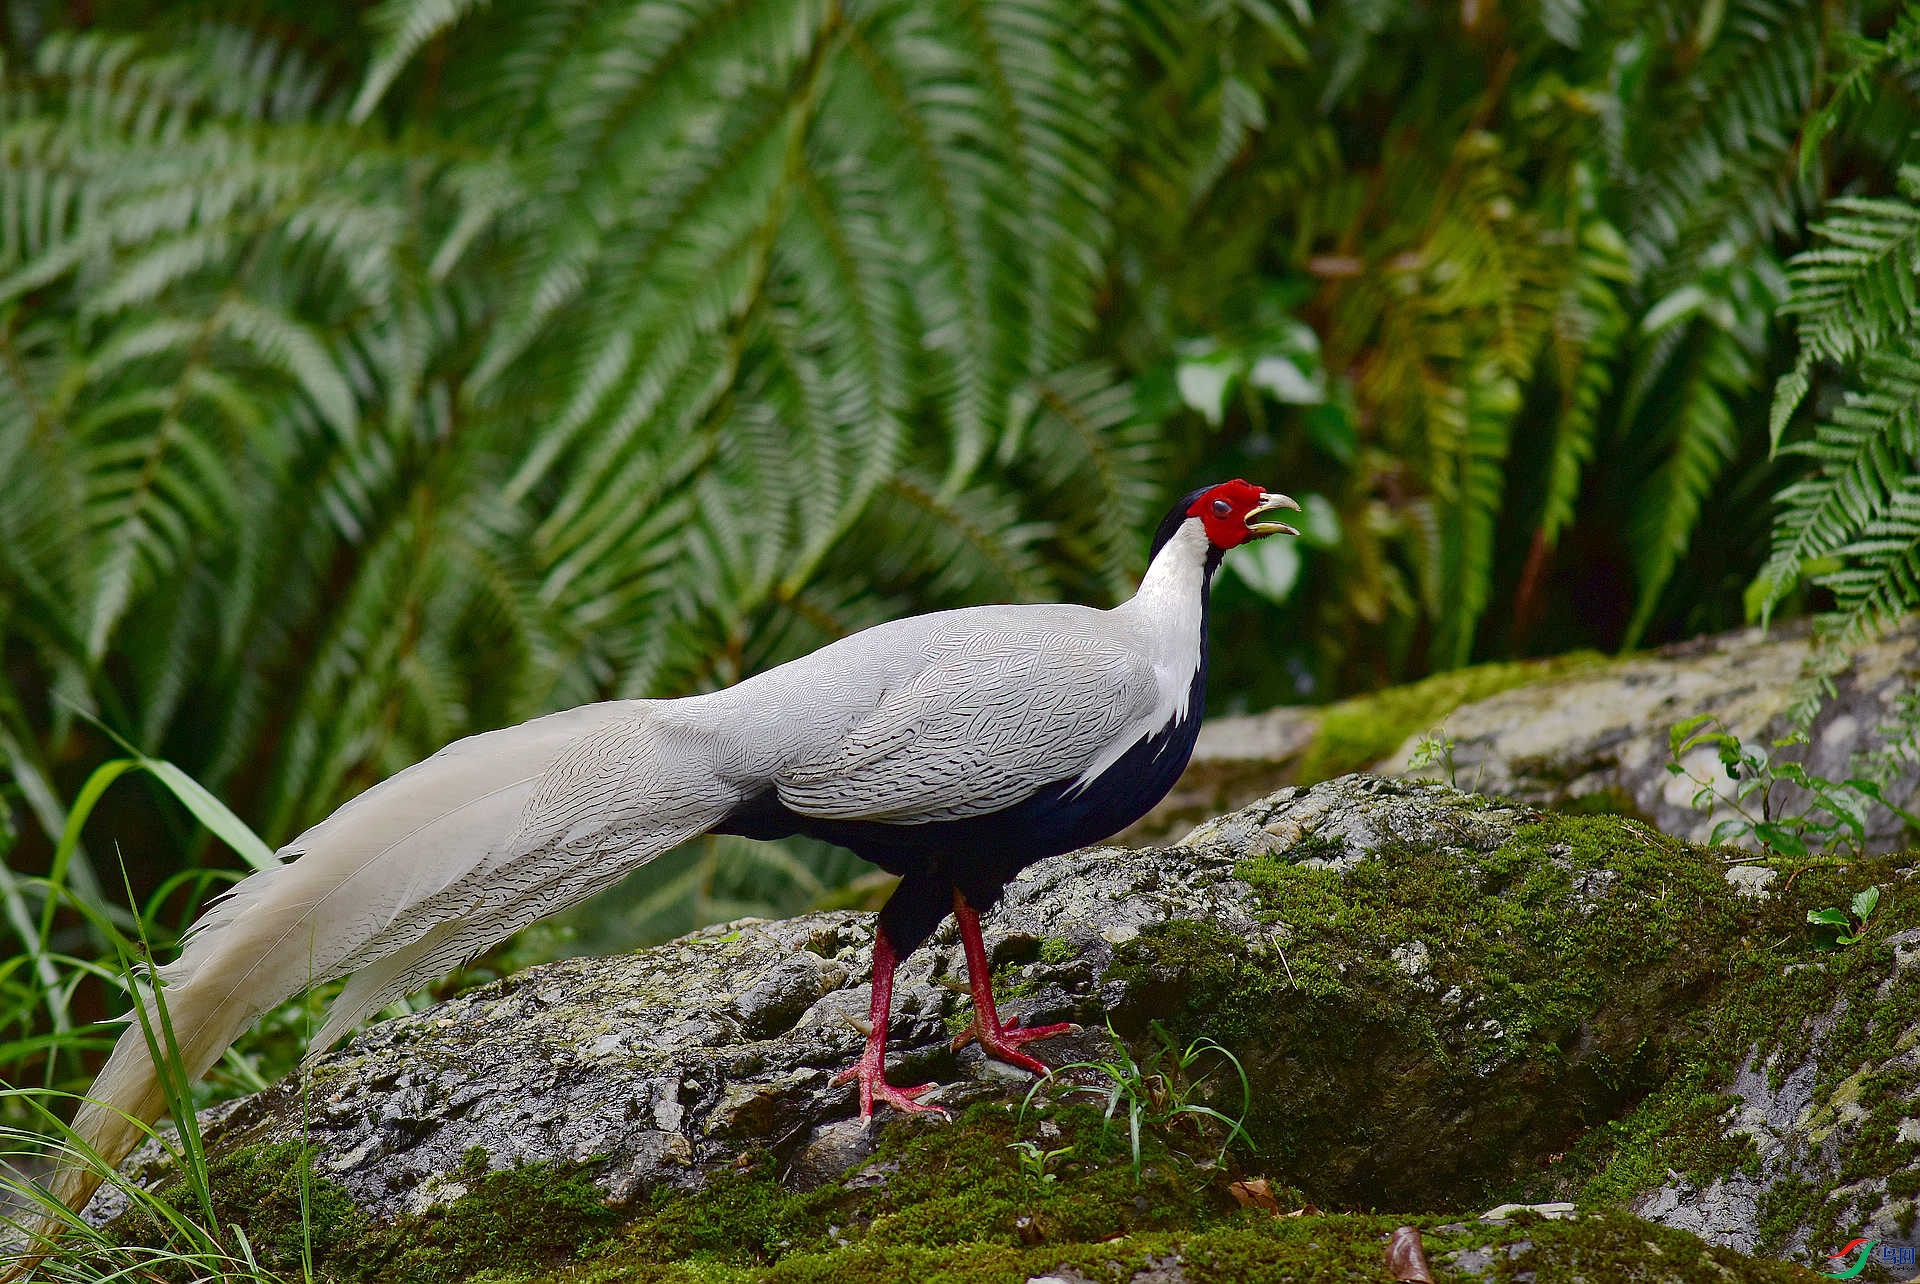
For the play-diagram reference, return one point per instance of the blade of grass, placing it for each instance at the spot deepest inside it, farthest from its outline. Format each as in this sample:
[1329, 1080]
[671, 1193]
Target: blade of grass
[63, 852]
[33, 943]
[194, 796]
[169, 1068]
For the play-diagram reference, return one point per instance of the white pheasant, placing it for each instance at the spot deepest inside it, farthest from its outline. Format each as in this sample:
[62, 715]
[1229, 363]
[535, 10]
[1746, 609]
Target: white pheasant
[951, 749]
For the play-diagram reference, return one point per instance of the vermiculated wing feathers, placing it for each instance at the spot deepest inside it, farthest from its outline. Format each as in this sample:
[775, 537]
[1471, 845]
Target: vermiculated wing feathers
[991, 720]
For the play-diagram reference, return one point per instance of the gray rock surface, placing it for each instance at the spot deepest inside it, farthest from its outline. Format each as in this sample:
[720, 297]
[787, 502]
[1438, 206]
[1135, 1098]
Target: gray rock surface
[1595, 735]
[670, 1063]
[1603, 734]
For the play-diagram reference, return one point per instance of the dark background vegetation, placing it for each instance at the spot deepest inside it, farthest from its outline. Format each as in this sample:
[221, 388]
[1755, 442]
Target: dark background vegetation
[375, 374]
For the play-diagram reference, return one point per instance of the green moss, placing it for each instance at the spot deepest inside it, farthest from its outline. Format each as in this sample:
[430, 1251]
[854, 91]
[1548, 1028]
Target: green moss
[1616, 1247]
[1243, 1248]
[947, 1195]
[1678, 1129]
[1357, 733]
[1787, 1205]
[1774, 998]
[1326, 847]
[261, 1188]
[510, 1223]
[1427, 1023]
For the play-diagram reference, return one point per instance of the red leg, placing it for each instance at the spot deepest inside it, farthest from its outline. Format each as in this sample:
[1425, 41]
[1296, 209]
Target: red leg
[996, 1040]
[870, 1070]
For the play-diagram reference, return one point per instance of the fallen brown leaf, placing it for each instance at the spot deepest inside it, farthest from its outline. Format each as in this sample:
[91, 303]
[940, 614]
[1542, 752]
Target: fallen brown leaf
[1255, 1193]
[1407, 1257]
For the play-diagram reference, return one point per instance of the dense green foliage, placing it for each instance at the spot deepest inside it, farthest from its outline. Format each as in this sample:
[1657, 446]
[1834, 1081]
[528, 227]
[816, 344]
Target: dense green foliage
[1542, 248]
[372, 384]
[1854, 525]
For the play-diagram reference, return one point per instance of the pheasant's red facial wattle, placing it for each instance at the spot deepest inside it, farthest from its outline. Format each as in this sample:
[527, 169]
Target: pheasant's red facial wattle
[1227, 512]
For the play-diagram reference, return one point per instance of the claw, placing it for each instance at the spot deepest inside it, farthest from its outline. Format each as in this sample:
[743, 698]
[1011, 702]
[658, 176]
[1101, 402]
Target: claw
[1012, 1034]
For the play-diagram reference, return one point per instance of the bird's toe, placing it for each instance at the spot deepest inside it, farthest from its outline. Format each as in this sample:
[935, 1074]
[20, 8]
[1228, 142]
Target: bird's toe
[906, 1099]
[1014, 1032]
[1005, 1049]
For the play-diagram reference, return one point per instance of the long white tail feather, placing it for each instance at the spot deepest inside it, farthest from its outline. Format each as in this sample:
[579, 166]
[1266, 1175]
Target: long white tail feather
[411, 878]
[454, 941]
[373, 987]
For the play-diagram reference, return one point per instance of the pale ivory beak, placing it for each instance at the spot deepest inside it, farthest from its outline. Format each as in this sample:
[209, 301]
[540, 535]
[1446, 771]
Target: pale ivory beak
[1267, 504]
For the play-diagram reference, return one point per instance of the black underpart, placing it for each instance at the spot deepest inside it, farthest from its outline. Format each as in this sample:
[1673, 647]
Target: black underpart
[980, 854]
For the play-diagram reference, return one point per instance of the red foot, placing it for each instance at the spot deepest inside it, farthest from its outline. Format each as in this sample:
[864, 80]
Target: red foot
[1004, 1044]
[870, 1070]
[1001, 1042]
[874, 1087]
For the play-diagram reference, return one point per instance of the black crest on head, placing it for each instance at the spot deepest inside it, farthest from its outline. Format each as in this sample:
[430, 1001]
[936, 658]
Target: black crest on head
[1171, 522]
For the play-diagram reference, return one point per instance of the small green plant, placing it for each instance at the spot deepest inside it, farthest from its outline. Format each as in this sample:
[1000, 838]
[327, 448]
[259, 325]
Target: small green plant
[1037, 1162]
[1827, 815]
[1161, 1091]
[1435, 749]
[1835, 928]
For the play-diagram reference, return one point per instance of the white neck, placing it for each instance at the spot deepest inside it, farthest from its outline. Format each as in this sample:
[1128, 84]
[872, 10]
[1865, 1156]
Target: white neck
[1165, 616]
[1169, 610]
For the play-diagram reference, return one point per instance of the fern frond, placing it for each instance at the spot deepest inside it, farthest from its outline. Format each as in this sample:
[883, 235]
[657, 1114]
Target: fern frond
[1864, 453]
[1588, 332]
[1486, 408]
[1854, 291]
[1704, 437]
[404, 27]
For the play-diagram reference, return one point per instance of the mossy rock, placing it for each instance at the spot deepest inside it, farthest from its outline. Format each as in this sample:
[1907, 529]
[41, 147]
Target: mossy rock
[1440, 1003]
[1357, 733]
[1047, 1194]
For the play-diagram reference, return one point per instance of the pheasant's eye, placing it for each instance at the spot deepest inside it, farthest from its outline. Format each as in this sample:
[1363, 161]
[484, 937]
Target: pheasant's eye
[1221, 508]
